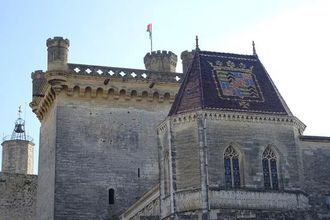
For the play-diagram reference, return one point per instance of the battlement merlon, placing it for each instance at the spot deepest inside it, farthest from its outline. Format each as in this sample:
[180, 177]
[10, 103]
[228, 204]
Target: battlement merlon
[91, 81]
[162, 61]
[102, 82]
[57, 53]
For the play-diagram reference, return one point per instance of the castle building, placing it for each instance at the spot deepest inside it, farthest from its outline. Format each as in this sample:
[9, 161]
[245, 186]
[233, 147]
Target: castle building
[215, 142]
[18, 185]
[98, 143]
[231, 148]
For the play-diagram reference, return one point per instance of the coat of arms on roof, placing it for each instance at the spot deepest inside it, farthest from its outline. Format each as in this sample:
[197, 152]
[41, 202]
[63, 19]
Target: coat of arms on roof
[236, 82]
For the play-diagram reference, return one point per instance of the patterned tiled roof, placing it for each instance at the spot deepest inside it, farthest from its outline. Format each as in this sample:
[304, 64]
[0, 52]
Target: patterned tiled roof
[229, 82]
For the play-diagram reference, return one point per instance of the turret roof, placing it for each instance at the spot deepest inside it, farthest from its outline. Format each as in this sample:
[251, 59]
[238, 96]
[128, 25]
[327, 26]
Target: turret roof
[228, 82]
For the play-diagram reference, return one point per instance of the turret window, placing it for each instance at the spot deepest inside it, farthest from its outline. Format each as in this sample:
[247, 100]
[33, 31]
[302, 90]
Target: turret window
[269, 165]
[231, 163]
[111, 196]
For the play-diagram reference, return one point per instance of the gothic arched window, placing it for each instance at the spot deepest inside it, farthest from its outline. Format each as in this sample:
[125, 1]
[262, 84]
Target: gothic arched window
[231, 162]
[269, 166]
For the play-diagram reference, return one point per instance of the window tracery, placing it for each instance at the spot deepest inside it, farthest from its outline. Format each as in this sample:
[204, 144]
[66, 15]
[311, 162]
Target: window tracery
[231, 164]
[269, 165]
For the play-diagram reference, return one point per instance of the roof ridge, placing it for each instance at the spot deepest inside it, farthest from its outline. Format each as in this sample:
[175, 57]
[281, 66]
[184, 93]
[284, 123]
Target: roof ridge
[200, 79]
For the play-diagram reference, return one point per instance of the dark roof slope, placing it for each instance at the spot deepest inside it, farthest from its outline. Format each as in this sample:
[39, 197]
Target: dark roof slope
[229, 82]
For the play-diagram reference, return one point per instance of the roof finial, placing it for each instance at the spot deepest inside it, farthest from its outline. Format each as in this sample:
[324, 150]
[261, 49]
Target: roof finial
[254, 49]
[19, 111]
[197, 46]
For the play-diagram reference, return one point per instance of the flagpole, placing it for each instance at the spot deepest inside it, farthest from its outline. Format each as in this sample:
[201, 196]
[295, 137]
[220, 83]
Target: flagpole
[149, 29]
[151, 44]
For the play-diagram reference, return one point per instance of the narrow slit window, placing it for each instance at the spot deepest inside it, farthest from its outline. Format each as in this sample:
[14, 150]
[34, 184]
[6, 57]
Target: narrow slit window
[111, 196]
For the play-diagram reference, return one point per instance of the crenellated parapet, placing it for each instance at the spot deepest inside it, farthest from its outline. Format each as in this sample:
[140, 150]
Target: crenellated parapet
[94, 82]
[153, 85]
[125, 73]
[162, 61]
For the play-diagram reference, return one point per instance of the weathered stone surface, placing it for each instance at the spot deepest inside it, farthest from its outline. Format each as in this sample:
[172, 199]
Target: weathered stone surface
[98, 132]
[251, 139]
[163, 61]
[18, 194]
[197, 141]
[147, 207]
[46, 172]
[315, 156]
[101, 147]
[17, 156]
[186, 156]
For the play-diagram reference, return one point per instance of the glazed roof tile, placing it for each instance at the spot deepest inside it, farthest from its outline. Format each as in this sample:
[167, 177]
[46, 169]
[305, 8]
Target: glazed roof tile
[229, 82]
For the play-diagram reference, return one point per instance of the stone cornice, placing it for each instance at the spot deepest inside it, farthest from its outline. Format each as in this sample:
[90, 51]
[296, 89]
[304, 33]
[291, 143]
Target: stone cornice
[50, 84]
[234, 116]
[40, 105]
[308, 138]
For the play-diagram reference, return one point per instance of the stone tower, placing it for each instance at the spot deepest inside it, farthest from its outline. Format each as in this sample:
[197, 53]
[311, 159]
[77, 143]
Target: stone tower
[98, 146]
[187, 58]
[226, 143]
[57, 53]
[161, 61]
[17, 150]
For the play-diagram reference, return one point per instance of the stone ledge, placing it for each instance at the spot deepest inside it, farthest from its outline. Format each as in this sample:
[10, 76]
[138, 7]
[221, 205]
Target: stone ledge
[241, 199]
[314, 138]
[189, 200]
[240, 117]
[124, 73]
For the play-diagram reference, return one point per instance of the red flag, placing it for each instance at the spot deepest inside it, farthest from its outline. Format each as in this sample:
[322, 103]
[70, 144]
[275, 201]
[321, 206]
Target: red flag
[149, 29]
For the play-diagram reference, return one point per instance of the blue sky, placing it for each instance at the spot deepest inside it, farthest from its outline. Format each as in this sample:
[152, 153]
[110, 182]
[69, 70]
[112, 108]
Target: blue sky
[292, 41]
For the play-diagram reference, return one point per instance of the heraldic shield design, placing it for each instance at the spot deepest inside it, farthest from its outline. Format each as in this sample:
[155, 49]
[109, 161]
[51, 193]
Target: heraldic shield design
[236, 83]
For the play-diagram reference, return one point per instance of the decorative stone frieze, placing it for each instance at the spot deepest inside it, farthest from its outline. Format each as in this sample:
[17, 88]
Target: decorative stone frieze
[239, 117]
[244, 199]
[102, 82]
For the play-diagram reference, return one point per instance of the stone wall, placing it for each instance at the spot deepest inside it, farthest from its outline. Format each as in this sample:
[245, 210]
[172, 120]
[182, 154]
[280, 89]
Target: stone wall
[250, 139]
[232, 214]
[46, 168]
[102, 145]
[146, 208]
[195, 140]
[17, 156]
[18, 194]
[315, 155]
[185, 155]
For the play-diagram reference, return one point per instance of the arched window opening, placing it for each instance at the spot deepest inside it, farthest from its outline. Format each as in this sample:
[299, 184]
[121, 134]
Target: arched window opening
[231, 162]
[269, 166]
[111, 196]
